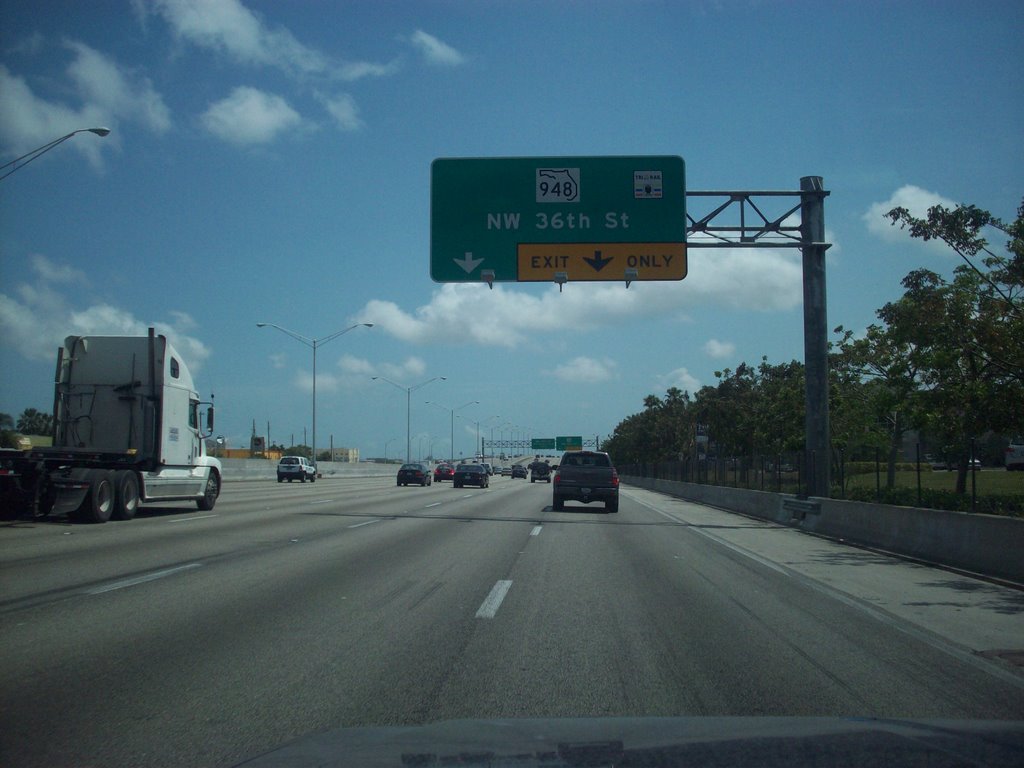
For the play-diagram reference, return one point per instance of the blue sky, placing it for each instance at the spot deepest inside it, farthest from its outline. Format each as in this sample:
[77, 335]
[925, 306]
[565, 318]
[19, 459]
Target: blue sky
[270, 161]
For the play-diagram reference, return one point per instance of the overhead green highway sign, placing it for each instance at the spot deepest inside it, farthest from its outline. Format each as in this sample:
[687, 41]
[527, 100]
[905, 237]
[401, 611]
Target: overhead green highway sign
[542, 443]
[569, 443]
[557, 219]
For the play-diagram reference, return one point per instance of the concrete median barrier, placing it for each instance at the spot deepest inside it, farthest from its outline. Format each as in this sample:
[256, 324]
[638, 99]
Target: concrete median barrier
[990, 545]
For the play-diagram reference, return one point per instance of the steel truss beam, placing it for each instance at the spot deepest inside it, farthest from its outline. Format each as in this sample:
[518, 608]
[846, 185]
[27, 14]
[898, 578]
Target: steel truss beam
[746, 225]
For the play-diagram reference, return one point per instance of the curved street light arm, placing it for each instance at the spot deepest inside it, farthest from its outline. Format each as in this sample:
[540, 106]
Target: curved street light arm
[342, 332]
[298, 336]
[30, 156]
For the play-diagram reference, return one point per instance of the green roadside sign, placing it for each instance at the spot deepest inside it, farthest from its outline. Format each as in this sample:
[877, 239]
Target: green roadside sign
[571, 443]
[557, 218]
[542, 443]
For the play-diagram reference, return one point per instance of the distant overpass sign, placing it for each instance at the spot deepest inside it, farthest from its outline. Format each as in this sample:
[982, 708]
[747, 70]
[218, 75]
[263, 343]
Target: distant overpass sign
[572, 443]
[547, 218]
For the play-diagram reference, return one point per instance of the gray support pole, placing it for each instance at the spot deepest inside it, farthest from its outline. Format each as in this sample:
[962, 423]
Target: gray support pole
[816, 425]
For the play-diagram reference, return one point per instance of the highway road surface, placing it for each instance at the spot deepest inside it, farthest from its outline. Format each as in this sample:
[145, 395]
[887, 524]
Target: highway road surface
[187, 638]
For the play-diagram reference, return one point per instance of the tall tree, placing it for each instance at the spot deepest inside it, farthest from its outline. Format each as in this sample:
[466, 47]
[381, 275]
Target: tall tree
[967, 334]
[8, 437]
[33, 422]
[884, 367]
[999, 337]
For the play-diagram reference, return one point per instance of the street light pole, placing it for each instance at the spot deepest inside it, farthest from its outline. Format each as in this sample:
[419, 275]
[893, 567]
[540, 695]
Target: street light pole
[452, 411]
[314, 344]
[495, 416]
[30, 156]
[408, 408]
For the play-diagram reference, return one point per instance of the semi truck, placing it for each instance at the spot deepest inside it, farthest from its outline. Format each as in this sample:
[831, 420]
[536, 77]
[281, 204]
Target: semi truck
[128, 428]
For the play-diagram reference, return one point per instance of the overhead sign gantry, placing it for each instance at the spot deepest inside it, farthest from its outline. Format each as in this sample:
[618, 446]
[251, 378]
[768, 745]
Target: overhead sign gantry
[558, 219]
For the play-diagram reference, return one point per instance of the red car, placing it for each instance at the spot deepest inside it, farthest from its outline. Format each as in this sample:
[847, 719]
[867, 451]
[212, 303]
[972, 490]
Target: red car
[443, 472]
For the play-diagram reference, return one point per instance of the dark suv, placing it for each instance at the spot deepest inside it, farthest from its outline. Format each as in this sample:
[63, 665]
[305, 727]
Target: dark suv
[295, 468]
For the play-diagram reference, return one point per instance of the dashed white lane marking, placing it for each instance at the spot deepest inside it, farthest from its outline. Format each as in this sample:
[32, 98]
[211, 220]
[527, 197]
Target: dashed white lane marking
[360, 525]
[536, 530]
[490, 606]
[190, 519]
[435, 504]
[141, 579]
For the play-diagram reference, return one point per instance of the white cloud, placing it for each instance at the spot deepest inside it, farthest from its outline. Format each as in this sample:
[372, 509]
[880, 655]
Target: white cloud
[759, 280]
[681, 378]
[342, 108]
[435, 51]
[250, 116]
[586, 370]
[357, 70]
[228, 27]
[355, 372]
[914, 199]
[401, 373]
[52, 272]
[105, 93]
[719, 349]
[36, 320]
[117, 91]
[356, 366]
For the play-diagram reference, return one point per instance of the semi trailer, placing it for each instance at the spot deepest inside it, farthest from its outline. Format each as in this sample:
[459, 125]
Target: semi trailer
[128, 428]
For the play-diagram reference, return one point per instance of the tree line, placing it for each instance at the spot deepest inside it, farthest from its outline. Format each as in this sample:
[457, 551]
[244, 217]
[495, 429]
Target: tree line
[945, 359]
[31, 422]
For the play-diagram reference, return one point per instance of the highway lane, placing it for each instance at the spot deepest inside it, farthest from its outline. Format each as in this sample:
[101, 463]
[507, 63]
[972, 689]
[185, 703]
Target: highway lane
[184, 638]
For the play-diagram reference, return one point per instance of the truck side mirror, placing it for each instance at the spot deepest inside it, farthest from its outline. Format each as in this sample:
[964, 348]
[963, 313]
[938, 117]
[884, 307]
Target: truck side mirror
[209, 419]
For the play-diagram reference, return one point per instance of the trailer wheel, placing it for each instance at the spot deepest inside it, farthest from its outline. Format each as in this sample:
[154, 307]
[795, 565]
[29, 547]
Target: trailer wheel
[98, 504]
[206, 503]
[126, 495]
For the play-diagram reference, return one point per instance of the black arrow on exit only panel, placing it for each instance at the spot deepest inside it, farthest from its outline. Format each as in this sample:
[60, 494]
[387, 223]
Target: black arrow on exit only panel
[597, 262]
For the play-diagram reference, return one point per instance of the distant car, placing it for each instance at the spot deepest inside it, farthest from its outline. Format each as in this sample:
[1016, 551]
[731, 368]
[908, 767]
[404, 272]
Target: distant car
[940, 464]
[471, 474]
[506, 471]
[295, 468]
[487, 467]
[417, 474]
[443, 472]
[518, 471]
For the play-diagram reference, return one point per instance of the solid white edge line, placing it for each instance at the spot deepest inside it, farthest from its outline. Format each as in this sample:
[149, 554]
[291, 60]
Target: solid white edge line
[718, 540]
[905, 626]
[141, 579]
[490, 606]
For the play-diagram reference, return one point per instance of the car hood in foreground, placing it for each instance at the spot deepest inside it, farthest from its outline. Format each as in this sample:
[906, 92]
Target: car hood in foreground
[664, 741]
